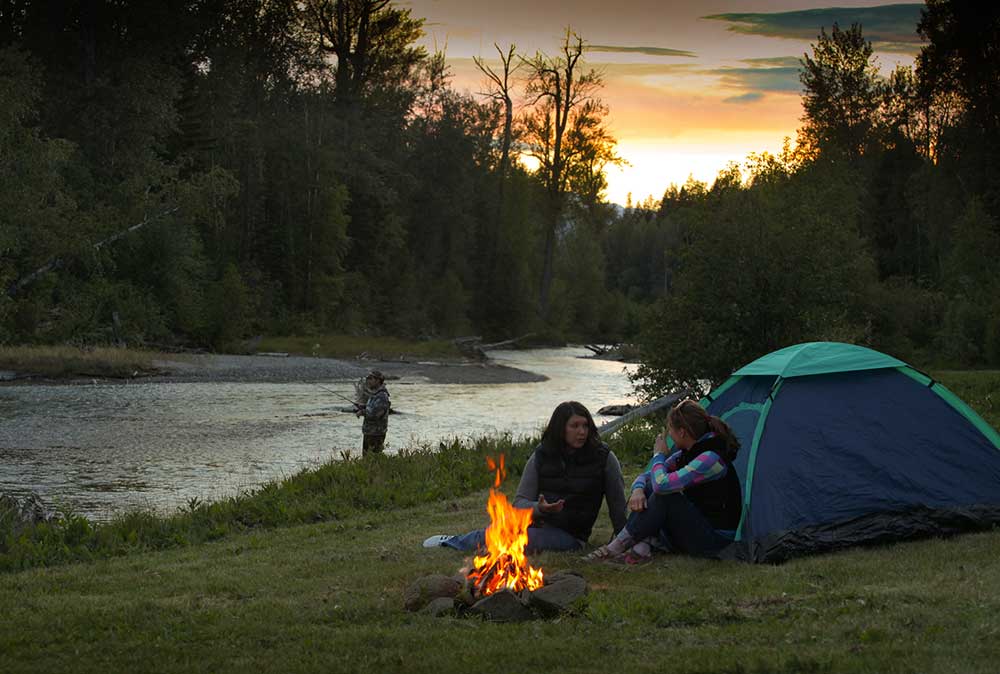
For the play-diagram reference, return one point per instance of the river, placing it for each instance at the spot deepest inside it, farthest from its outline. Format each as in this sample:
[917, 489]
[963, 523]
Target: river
[106, 448]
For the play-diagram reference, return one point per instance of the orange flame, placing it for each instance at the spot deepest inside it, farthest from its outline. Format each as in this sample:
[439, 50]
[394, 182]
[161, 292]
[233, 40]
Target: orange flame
[504, 566]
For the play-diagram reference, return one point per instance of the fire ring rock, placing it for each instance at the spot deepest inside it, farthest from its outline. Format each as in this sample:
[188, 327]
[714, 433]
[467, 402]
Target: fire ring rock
[503, 606]
[561, 591]
[423, 590]
[442, 606]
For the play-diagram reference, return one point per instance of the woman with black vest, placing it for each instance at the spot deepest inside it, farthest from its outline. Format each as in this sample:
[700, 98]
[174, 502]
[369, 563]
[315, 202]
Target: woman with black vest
[689, 501]
[567, 477]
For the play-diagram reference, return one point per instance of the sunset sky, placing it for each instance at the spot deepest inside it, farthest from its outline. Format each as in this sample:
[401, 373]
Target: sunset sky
[692, 84]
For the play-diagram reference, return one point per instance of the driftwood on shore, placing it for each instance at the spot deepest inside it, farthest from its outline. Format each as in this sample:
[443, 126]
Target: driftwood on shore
[644, 411]
[473, 346]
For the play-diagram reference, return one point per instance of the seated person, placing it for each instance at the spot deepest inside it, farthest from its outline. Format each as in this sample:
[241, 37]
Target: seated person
[564, 481]
[689, 501]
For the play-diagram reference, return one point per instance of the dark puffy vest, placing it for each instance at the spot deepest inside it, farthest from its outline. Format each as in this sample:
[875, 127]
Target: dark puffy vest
[579, 479]
[720, 501]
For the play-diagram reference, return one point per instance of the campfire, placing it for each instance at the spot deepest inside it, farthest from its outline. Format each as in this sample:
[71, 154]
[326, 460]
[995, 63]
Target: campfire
[501, 585]
[504, 566]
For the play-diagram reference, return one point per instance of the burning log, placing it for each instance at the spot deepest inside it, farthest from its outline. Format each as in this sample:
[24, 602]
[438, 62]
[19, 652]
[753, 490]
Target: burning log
[479, 586]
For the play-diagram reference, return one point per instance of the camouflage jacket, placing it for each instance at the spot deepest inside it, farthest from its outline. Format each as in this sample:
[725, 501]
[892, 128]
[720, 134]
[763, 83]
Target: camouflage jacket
[376, 412]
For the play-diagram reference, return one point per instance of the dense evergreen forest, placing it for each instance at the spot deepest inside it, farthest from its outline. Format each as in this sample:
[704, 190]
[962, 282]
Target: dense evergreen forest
[193, 172]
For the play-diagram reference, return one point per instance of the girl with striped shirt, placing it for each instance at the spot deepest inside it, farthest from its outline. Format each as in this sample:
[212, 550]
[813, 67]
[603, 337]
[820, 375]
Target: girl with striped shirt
[688, 501]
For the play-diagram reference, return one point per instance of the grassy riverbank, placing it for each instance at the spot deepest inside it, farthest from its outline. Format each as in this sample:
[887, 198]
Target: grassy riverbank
[62, 362]
[69, 362]
[307, 575]
[351, 347]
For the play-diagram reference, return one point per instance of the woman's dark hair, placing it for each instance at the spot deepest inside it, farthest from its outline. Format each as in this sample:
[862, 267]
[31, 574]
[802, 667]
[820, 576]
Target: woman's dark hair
[554, 436]
[696, 420]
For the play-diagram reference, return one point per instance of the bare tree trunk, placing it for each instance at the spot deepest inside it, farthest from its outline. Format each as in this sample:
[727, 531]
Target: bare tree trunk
[557, 82]
[499, 90]
[88, 37]
[548, 259]
[666, 401]
[55, 263]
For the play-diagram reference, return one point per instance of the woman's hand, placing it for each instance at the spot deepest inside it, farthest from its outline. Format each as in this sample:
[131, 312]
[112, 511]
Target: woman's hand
[660, 446]
[637, 501]
[546, 507]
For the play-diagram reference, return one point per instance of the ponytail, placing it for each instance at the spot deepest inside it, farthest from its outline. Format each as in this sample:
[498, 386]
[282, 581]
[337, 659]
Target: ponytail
[696, 420]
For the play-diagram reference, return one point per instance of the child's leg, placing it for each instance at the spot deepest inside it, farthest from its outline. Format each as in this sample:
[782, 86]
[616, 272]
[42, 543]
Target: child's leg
[687, 529]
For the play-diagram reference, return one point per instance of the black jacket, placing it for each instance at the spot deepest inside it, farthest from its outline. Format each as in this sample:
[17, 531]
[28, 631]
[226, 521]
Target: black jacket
[578, 478]
[720, 501]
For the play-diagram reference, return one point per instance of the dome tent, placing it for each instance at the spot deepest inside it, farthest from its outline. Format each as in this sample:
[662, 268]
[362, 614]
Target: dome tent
[843, 446]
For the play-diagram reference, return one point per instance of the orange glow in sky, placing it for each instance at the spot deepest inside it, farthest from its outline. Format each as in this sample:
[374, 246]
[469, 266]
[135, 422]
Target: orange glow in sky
[688, 94]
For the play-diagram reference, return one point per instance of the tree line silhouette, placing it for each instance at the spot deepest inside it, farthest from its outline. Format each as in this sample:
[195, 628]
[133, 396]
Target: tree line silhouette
[193, 172]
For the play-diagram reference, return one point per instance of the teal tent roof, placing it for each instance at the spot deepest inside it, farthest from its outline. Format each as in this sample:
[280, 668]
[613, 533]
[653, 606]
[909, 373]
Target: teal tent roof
[818, 358]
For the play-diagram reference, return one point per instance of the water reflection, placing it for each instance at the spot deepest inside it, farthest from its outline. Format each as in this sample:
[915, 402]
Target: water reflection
[104, 448]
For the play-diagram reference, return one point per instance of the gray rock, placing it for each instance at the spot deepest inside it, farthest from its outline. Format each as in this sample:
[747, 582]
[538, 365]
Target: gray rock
[442, 606]
[615, 410]
[424, 590]
[503, 606]
[561, 592]
[16, 514]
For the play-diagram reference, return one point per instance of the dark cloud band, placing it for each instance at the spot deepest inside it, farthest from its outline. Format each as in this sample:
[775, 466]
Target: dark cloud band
[649, 51]
[779, 80]
[887, 26]
[750, 97]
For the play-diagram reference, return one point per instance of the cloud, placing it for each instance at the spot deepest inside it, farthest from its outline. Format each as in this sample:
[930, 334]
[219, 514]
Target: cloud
[783, 79]
[751, 97]
[649, 51]
[776, 61]
[888, 27]
[646, 69]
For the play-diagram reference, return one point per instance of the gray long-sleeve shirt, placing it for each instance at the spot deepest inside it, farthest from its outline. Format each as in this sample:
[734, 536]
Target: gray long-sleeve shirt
[614, 490]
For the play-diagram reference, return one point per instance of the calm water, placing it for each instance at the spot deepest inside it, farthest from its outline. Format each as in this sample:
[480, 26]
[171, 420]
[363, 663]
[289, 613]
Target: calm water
[105, 448]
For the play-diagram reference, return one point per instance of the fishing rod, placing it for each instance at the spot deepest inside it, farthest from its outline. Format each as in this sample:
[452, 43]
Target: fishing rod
[357, 405]
[343, 397]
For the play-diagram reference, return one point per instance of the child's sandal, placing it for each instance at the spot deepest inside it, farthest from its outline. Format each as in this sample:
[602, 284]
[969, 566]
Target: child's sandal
[629, 559]
[635, 559]
[600, 554]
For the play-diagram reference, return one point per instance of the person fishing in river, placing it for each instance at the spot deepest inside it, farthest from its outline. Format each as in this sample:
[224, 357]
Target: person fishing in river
[375, 410]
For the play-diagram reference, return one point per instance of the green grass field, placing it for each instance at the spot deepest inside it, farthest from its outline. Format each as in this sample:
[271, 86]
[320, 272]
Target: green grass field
[327, 597]
[276, 593]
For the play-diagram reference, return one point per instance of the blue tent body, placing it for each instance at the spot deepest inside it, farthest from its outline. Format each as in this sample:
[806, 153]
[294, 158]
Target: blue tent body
[843, 446]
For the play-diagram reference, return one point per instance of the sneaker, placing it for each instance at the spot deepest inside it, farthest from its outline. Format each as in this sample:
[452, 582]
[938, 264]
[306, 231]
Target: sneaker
[437, 541]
